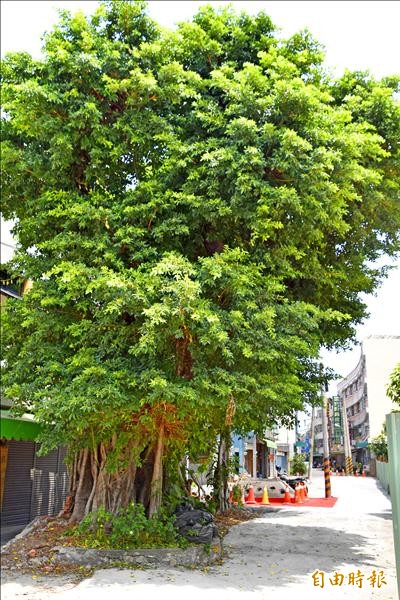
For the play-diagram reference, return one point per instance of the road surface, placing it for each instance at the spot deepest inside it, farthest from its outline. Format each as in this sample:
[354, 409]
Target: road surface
[288, 553]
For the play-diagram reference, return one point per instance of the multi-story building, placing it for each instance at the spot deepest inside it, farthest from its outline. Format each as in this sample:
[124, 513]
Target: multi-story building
[335, 431]
[318, 437]
[285, 440]
[255, 455]
[363, 392]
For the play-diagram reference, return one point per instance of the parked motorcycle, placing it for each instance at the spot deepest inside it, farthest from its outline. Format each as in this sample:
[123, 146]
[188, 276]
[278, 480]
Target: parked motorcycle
[293, 480]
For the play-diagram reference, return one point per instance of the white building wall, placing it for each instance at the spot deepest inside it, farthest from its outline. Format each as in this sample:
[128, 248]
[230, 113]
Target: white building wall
[286, 436]
[285, 440]
[364, 388]
[382, 353]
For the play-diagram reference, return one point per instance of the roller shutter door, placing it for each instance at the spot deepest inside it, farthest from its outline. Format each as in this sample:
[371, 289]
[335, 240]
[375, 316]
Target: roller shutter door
[50, 484]
[18, 483]
[62, 480]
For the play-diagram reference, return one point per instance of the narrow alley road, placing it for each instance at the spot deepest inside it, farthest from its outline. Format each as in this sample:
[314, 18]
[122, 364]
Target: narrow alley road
[348, 548]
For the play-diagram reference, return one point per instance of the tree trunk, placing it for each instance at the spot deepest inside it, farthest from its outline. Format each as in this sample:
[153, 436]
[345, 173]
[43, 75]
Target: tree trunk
[157, 478]
[138, 476]
[143, 476]
[83, 479]
[222, 471]
[93, 486]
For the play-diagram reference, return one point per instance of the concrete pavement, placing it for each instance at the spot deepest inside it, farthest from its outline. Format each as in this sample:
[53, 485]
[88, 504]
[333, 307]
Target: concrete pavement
[273, 557]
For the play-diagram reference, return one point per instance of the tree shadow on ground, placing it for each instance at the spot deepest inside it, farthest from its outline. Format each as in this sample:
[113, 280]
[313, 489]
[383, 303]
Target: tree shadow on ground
[281, 512]
[386, 514]
[262, 555]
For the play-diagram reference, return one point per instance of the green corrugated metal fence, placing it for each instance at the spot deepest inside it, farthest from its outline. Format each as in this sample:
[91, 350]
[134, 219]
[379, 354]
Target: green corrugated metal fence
[393, 436]
[382, 473]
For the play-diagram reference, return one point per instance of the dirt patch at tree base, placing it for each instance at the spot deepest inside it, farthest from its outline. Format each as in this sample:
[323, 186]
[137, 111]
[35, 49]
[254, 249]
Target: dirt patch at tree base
[32, 551]
[42, 549]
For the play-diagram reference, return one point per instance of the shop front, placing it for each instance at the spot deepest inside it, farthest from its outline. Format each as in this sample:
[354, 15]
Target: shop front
[31, 485]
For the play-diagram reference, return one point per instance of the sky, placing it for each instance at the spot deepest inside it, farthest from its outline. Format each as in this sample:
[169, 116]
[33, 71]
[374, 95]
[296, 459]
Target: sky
[356, 35]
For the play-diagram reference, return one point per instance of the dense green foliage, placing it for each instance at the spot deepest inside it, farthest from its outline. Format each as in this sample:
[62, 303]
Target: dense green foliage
[199, 210]
[393, 389]
[298, 465]
[127, 530]
[379, 445]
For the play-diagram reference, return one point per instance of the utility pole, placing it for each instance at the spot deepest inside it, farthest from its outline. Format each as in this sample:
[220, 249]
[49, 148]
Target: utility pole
[311, 457]
[327, 470]
[289, 455]
[346, 440]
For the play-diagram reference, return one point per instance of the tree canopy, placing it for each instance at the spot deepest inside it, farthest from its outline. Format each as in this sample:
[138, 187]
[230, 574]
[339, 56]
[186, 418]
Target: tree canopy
[200, 211]
[393, 388]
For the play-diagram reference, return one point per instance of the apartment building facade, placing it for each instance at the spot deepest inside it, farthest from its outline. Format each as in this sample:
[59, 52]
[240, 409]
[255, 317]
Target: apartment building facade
[363, 392]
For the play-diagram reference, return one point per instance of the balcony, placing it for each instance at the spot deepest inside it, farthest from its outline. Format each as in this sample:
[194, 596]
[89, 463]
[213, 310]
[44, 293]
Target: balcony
[355, 397]
[359, 418]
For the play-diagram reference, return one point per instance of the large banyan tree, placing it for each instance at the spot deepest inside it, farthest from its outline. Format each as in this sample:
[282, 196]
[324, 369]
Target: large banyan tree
[199, 210]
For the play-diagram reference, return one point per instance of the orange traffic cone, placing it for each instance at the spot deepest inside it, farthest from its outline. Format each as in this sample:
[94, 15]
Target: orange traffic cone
[356, 473]
[297, 496]
[336, 472]
[287, 499]
[265, 499]
[364, 473]
[250, 498]
[302, 494]
[305, 491]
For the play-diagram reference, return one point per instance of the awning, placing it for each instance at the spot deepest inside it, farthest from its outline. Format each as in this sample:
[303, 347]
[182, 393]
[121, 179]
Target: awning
[283, 447]
[270, 443]
[18, 428]
[362, 444]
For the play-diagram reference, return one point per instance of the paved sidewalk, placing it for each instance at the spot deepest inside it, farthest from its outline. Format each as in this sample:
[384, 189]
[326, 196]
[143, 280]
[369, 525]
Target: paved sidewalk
[271, 558]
